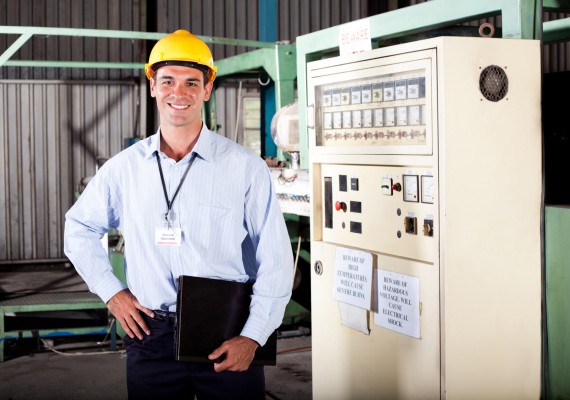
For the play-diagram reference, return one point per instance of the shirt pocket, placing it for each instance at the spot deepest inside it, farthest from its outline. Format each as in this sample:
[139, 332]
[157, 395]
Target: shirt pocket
[213, 228]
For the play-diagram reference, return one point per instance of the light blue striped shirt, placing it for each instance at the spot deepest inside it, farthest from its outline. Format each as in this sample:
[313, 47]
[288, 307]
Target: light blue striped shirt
[232, 227]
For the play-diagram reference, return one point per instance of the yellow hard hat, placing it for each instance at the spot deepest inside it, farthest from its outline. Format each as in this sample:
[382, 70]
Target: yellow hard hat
[181, 48]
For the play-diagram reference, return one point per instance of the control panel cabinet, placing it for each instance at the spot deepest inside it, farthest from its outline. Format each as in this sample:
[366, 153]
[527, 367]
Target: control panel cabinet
[425, 165]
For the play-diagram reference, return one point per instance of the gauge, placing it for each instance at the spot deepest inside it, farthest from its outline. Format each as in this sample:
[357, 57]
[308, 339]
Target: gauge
[367, 118]
[401, 116]
[346, 120]
[327, 121]
[345, 96]
[366, 93]
[390, 116]
[400, 90]
[378, 117]
[356, 119]
[327, 98]
[337, 120]
[336, 97]
[355, 93]
[388, 91]
[414, 115]
[377, 92]
[410, 187]
[423, 114]
[428, 189]
[413, 88]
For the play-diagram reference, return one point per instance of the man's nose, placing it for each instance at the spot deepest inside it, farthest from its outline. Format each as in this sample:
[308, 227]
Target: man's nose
[180, 90]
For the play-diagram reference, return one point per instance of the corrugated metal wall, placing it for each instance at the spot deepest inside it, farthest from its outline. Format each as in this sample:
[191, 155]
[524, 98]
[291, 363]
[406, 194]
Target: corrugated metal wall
[50, 136]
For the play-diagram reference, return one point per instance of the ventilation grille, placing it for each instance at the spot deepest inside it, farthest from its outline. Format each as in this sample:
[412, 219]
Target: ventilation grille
[493, 83]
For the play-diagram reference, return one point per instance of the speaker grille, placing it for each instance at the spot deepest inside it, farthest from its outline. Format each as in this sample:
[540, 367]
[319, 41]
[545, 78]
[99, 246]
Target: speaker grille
[493, 83]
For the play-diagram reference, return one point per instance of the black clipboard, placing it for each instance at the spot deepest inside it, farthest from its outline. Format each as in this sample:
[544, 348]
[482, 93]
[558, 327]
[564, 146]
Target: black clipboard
[211, 311]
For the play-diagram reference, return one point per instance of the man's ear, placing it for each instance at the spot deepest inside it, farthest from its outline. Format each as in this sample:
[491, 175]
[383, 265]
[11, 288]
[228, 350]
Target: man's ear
[152, 83]
[208, 90]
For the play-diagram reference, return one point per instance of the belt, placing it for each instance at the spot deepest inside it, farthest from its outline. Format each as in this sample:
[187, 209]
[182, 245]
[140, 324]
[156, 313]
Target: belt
[168, 317]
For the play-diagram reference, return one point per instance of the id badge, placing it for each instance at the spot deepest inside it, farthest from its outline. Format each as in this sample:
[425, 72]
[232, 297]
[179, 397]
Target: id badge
[168, 236]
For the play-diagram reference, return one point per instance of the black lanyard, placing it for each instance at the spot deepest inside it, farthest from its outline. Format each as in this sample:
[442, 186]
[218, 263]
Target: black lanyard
[170, 202]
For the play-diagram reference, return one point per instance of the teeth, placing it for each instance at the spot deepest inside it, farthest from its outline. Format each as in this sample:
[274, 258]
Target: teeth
[179, 107]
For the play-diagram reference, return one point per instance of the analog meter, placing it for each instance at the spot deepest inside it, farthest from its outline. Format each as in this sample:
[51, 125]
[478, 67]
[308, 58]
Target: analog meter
[427, 189]
[410, 187]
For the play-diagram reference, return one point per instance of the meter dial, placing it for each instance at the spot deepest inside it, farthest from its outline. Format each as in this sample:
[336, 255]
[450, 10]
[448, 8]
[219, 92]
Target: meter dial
[337, 120]
[346, 119]
[367, 118]
[410, 187]
[428, 189]
[355, 94]
[414, 115]
[328, 121]
[356, 118]
[400, 90]
[335, 97]
[390, 114]
[378, 117]
[327, 98]
[401, 116]
[388, 91]
[366, 93]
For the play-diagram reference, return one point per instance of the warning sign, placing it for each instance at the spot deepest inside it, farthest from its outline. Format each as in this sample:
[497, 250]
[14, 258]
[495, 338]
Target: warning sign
[398, 303]
[353, 277]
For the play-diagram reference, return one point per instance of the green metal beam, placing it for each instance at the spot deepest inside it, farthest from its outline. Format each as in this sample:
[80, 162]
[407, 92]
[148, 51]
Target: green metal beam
[116, 34]
[556, 5]
[72, 64]
[279, 63]
[27, 32]
[556, 31]
[14, 47]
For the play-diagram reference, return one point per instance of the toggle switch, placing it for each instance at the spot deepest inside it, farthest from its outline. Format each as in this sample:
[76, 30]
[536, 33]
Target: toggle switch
[428, 227]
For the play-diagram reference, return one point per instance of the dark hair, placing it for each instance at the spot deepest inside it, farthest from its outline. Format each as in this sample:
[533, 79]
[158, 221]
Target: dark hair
[205, 70]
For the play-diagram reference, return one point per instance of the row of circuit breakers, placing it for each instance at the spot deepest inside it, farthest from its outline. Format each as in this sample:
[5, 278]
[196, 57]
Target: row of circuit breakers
[414, 188]
[367, 94]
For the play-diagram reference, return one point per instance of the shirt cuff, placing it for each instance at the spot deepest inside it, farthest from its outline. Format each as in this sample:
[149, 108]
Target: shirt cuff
[256, 329]
[108, 286]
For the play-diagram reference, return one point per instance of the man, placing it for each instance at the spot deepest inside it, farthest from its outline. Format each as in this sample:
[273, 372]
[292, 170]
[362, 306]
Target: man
[188, 202]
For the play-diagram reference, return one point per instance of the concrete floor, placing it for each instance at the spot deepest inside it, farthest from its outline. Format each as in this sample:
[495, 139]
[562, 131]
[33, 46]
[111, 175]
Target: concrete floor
[48, 375]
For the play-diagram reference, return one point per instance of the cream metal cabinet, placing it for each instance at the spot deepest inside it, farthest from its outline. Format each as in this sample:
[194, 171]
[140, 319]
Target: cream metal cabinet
[426, 156]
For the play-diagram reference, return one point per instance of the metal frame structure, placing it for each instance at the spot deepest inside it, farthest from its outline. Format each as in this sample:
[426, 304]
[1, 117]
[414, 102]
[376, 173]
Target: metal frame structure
[276, 59]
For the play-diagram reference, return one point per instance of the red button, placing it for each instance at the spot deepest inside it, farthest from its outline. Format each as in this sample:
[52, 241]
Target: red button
[339, 205]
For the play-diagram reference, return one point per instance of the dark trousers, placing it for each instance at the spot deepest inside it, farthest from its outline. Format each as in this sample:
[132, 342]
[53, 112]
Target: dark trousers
[153, 373]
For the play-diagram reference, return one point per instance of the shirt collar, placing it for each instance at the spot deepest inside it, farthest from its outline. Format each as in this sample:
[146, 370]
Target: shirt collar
[201, 148]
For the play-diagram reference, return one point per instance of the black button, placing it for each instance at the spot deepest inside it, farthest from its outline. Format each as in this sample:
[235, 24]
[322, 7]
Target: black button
[342, 183]
[354, 184]
[355, 227]
[356, 206]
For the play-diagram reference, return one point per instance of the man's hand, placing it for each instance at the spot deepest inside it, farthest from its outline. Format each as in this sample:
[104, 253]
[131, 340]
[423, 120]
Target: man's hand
[125, 307]
[238, 351]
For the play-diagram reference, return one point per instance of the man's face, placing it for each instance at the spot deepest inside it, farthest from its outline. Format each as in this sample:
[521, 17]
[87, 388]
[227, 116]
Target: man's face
[180, 93]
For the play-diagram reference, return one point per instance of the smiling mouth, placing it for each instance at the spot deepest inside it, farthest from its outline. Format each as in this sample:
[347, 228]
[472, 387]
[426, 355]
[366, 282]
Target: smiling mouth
[178, 107]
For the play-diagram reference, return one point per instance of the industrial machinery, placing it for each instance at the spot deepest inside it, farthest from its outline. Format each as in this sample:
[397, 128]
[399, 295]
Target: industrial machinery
[291, 183]
[425, 164]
